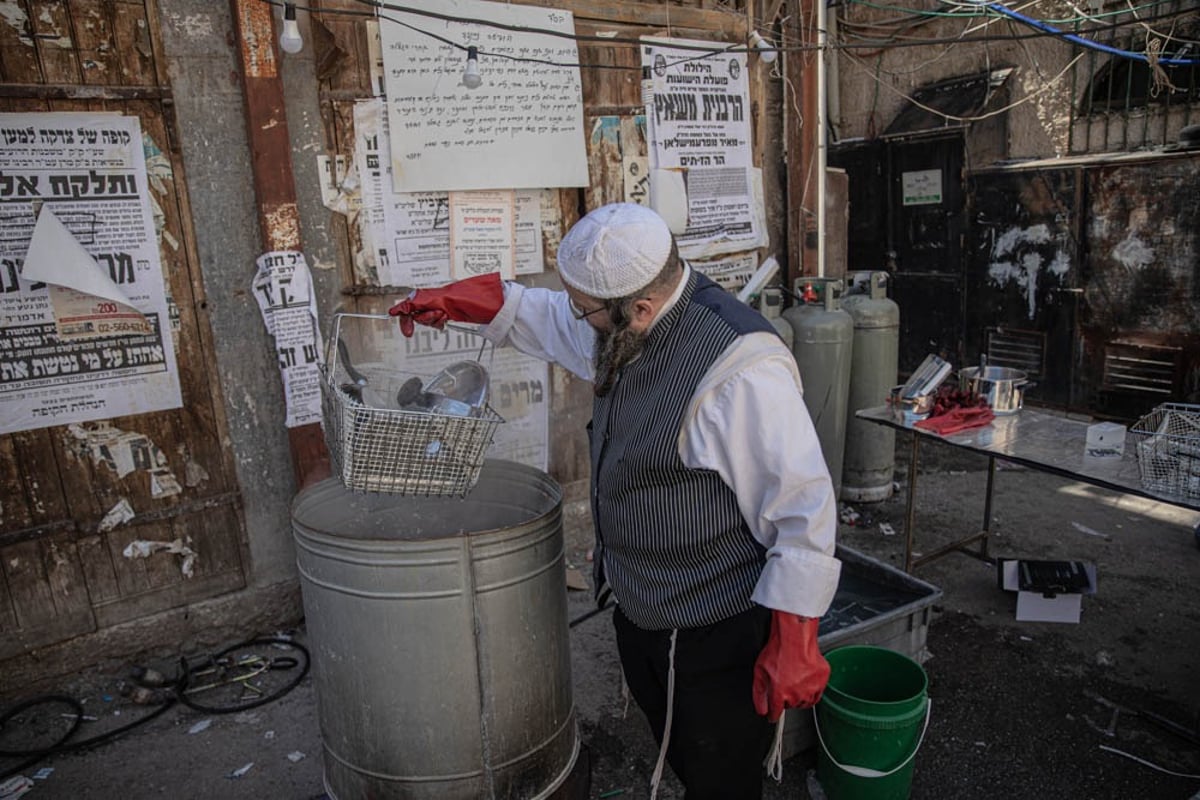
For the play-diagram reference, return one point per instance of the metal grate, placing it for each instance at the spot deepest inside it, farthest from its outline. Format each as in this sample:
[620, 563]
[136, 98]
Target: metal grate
[1128, 103]
[1017, 349]
[1147, 369]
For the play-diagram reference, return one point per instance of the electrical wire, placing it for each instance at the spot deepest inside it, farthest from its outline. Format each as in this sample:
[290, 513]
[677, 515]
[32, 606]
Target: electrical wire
[703, 52]
[1027, 98]
[1152, 765]
[178, 688]
[1084, 42]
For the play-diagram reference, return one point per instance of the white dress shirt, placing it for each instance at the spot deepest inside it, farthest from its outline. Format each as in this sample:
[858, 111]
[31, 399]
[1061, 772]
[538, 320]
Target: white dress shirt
[746, 421]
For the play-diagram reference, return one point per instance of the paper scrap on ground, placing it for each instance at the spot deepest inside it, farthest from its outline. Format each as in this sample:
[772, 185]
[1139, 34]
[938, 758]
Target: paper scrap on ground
[1089, 531]
[240, 771]
[200, 726]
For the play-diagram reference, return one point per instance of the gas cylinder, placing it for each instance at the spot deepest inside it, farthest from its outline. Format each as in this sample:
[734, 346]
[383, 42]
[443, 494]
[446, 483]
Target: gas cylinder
[824, 336]
[770, 305]
[870, 448]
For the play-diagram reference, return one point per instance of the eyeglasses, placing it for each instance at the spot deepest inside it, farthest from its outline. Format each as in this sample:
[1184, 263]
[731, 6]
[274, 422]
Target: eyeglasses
[579, 313]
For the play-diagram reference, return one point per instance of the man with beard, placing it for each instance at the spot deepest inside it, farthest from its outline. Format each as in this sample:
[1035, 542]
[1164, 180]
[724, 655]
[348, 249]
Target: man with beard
[714, 511]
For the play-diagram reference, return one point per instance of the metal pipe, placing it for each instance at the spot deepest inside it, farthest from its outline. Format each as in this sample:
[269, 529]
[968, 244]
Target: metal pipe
[822, 93]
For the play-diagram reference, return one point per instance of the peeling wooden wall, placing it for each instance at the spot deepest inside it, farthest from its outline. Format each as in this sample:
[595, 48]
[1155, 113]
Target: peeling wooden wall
[62, 572]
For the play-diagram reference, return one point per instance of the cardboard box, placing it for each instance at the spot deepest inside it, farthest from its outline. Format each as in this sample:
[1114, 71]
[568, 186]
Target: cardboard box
[1047, 591]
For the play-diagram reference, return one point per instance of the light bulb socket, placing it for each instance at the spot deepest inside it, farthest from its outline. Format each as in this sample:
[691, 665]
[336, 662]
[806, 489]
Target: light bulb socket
[471, 77]
[289, 38]
[647, 87]
[766, 50]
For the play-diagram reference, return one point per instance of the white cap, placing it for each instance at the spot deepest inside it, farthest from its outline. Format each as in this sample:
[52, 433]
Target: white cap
[614, 251]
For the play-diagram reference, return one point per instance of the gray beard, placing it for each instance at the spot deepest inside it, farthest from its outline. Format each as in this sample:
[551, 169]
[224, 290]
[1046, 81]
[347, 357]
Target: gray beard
[614, 349]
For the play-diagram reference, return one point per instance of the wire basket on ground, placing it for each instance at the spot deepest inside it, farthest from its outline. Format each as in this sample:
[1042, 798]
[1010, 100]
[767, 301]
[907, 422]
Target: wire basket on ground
[1167, 444]
[377, 447]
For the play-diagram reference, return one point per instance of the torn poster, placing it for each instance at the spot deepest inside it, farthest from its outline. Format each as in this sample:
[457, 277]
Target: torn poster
[68, 354]
[283, 288]
[119, 514]
[87, 303]
[527, 231]
[123, 452]
[141, 548]
[339, 184]
[730, 272]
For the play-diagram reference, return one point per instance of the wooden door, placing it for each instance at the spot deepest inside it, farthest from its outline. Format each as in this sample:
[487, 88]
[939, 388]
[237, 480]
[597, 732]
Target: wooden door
[73, 498]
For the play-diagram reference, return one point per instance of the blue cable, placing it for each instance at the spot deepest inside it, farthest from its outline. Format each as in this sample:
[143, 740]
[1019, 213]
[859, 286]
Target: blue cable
[1079, 40]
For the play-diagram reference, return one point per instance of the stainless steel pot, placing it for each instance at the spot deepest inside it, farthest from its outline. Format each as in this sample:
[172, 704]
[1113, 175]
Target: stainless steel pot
[909, 408]
[1002, 387]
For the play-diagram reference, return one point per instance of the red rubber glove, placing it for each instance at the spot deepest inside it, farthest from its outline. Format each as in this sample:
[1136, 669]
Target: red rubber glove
[790, 671]
[475, 299]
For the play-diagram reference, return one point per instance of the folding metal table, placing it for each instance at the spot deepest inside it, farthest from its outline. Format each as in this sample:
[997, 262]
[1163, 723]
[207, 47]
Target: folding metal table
[1042, 440]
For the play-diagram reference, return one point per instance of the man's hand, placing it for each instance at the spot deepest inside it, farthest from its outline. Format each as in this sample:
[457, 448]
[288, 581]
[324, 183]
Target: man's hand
[475, 299]
[790, 671]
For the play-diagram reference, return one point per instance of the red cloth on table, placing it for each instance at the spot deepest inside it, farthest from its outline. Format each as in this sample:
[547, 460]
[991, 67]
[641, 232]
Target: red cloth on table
[957, 419]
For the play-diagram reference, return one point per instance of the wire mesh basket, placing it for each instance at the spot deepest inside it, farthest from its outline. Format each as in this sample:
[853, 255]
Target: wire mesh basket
[1167, 444]
[376, 446]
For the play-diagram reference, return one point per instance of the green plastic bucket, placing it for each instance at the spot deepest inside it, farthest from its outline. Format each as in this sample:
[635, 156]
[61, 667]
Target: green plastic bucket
[870, 723]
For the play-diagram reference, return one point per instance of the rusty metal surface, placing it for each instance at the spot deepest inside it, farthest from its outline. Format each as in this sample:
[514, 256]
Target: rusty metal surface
[271, 163]
[1102, 258]
[1141, 322]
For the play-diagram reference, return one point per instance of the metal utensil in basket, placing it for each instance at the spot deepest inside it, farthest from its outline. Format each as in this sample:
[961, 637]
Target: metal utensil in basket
[1167, 444]
[390, 429]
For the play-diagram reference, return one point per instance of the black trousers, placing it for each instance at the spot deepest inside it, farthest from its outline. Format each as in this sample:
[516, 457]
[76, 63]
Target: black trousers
[717, 741]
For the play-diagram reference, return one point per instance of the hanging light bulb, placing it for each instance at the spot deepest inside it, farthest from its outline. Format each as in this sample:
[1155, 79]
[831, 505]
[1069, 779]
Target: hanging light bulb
[471, 77]
[289, 39]
[766, 50]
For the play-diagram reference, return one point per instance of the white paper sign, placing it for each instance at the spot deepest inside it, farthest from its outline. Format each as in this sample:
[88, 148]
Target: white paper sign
[921, 187]
[700, 111]
[522, 128]
[89, 172]
[482, 234]
[528, 231]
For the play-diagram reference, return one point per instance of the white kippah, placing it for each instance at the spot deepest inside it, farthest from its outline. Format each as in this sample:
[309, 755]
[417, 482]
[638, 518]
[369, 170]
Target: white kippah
[614, 251]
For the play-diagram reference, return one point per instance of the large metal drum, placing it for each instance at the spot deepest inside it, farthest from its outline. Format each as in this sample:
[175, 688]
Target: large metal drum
[438, 631]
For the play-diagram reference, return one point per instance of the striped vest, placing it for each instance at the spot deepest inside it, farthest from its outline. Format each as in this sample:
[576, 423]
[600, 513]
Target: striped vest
[671, 541]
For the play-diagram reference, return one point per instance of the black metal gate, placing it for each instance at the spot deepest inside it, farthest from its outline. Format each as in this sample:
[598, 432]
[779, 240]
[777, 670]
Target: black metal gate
[907, 217]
